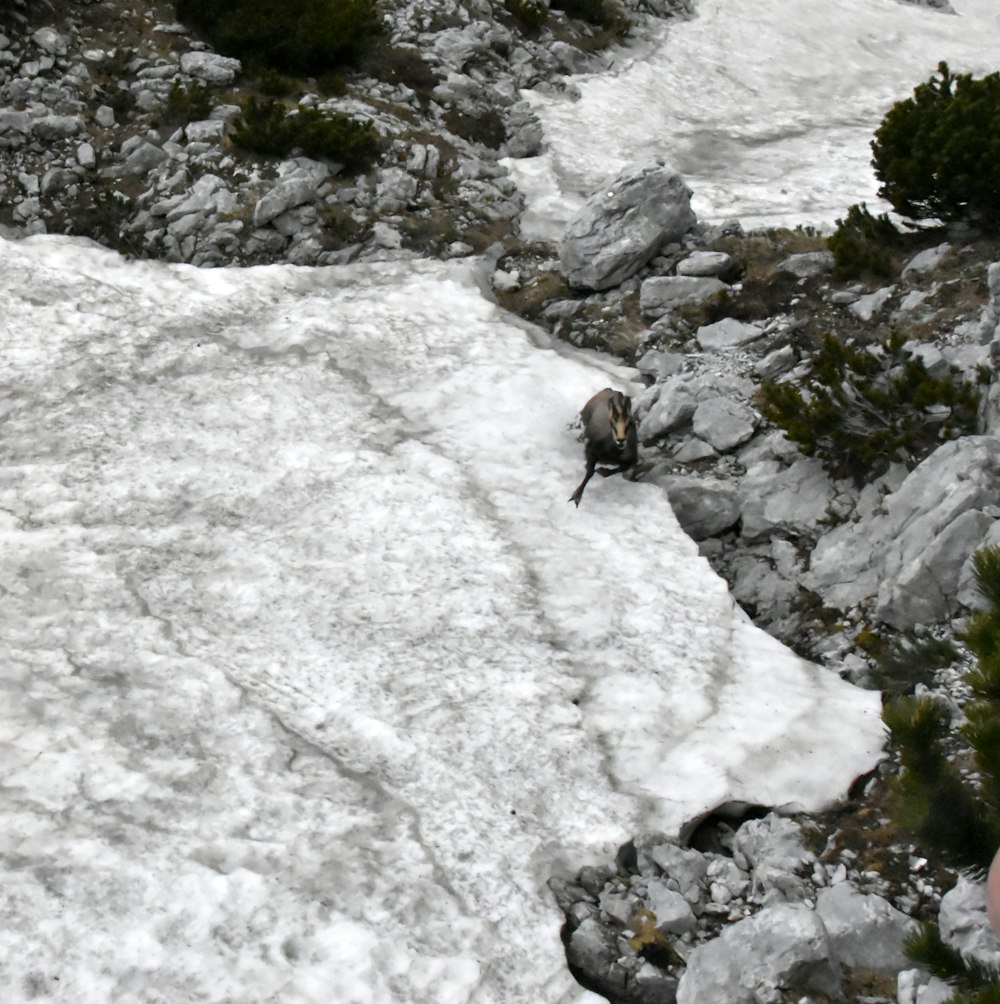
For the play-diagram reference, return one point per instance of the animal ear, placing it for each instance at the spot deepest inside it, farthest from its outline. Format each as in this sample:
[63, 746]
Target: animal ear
[626, 405]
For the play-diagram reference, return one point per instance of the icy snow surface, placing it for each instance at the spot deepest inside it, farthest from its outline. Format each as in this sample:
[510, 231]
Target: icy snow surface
[312, 675]
[766, 107]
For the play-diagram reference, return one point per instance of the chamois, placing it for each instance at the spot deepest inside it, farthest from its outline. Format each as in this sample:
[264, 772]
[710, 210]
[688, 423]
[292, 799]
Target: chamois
[611, 438]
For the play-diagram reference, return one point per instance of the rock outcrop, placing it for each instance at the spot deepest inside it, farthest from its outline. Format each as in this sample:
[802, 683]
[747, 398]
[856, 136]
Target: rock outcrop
[623, 225]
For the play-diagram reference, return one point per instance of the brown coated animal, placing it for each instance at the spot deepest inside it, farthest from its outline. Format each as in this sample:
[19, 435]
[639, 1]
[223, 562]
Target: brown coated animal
[610, 434]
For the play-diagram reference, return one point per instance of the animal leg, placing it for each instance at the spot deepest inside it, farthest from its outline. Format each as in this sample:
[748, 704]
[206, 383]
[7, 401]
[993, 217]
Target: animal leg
[578, 494]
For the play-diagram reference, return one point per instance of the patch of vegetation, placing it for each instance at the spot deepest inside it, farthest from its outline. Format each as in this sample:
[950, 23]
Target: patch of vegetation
[952, 815]
[905, 662]
[400, 64]
[267, 127]
[861, 409]
[115, 64]
[187, 104]
[298, 37]
[650, 943]
[599, 13]
[760, 252]
[277, 85]
[937, 154]
[487, 129]
[862, 245]
[530, 16]
[104, 217]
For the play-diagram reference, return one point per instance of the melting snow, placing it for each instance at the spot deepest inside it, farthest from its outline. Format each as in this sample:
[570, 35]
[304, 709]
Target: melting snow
[313, 675]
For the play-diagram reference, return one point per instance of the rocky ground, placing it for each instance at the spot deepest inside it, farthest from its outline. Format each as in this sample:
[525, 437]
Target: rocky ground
[105, 131]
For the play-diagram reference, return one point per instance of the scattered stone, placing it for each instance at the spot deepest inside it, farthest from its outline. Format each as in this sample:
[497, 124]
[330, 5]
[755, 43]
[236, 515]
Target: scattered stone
[727, 334]
[808, 264]
[723, 423]
[210, 67]
[708, 263]
[703, 507]
[661, 294]
[926, 261]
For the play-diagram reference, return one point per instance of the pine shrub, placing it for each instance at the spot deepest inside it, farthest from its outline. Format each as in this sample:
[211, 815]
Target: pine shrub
[862, 245]
[861, 409]
[599, 13]
[952, 816]
[267, 127]
[530, 16]
[298, 37]
[937, 154]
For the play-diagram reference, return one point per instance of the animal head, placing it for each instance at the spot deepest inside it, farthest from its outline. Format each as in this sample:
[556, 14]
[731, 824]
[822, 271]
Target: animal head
[620, 413]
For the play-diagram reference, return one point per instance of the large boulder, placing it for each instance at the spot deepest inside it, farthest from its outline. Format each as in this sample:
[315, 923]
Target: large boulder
[788, 501]
[784, 947]
[910, 558]
[866, 931]
[622, 226]
[936, 519]
[704, 507]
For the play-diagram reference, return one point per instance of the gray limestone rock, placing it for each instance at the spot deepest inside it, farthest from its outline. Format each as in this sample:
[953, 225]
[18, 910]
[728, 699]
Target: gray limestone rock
[925, 589]
[210, 67]
[865, 931]
[926, 543]
[661, 294]
[866, 307]
[704, 507]
[728, 333]
[143, 159]
[707, 263]
[808, 264]
[723, 423]
[773, 850]
[784, 947]
[926, 261]
[674, 405]
[672, 911]
[965, 925]
[623, 225]
[299, 183]
[786, 501]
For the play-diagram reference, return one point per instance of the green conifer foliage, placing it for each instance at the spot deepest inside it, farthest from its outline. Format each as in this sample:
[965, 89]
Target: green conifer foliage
[298, 37]
[951, 816]
[267, 127]
[862, 245]
[937, 154]
[860, 409]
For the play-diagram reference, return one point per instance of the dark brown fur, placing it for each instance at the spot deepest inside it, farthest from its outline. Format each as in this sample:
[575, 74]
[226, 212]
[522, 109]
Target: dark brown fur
[610, 434]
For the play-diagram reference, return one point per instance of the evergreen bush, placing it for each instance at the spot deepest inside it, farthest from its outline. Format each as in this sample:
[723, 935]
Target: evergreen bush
[955, 815]
[860, 409]
[267, 127]
[600, 13]
[298, 37]
[937, 154]
[862, 245]
[530, 16]
[187, 104]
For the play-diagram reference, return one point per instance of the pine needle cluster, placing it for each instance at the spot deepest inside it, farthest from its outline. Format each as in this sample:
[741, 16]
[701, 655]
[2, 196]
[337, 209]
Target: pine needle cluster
[861, 408]
[952, 815]
[937, 154]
